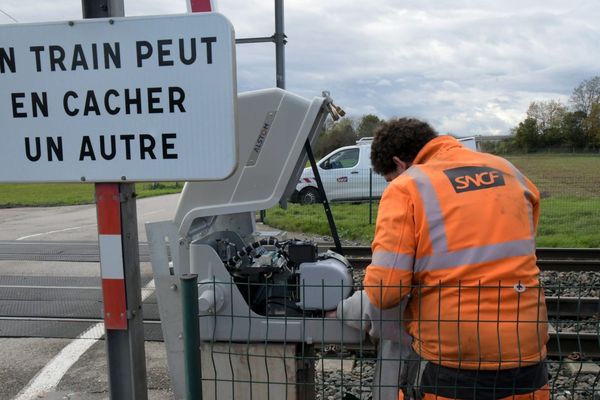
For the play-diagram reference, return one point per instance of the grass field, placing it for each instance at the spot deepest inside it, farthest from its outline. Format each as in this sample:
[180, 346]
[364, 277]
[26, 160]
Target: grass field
[570, 211]
[562, 174]
[570, 187]
[62, 194]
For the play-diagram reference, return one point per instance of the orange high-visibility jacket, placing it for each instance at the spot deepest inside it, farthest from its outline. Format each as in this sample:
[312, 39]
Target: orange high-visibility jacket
[456, 231]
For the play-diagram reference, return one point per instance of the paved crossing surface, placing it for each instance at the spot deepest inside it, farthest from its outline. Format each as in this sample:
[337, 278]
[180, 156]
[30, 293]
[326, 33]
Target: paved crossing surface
[51, 344]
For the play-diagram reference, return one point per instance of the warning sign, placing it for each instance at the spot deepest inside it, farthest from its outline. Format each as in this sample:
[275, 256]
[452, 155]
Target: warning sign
[122, 99]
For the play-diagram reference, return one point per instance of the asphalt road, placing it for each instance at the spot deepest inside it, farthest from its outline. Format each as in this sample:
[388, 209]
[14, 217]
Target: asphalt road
[36, 367]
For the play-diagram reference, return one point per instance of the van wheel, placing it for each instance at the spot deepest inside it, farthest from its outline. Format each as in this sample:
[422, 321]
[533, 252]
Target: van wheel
[309, 196]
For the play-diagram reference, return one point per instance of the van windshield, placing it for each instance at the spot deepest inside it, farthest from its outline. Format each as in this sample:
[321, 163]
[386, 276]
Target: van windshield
[343, 159]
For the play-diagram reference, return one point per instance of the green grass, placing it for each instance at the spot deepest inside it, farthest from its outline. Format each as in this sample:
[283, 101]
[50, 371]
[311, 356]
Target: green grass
[570, 210]
[569, 222]
[352, 220]
[562, 174]
[564, 222]
[570, 186]
[62, 194]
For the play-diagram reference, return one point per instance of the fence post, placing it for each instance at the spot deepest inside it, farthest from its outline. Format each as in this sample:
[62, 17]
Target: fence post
[306, 371]
[370, 196]
[191, 336]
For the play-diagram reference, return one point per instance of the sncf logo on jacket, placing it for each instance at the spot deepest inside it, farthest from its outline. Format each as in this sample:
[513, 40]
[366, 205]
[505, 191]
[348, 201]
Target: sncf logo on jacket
[465, 179]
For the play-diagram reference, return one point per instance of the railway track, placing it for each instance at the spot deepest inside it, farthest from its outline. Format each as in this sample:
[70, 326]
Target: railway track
[546, 253]
[43, 309]
[549, 259]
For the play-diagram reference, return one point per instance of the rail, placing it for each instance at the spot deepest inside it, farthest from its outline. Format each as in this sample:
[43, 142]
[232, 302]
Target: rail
[549, 259]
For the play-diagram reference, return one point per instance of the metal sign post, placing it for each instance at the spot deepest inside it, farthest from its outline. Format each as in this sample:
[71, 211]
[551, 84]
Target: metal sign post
[121, 289]
[280, 41]
[120, 269]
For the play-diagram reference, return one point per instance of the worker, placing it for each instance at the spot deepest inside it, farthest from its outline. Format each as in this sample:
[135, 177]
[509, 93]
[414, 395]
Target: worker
[455, 234]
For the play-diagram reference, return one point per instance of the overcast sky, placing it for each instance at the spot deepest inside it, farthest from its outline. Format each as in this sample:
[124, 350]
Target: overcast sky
[467, 66]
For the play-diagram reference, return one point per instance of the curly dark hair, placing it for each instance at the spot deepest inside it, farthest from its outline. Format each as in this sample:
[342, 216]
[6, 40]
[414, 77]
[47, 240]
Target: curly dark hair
[403, 138]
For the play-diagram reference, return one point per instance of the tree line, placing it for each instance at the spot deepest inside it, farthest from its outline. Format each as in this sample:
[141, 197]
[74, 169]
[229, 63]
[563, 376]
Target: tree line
[345, 132]
[552, 125]
[548, 125]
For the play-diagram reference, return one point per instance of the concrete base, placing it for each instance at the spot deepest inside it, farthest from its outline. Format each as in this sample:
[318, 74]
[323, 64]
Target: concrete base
[240, 371]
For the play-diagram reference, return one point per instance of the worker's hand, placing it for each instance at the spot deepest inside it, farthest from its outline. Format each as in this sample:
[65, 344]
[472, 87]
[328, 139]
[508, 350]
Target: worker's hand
[331, 314]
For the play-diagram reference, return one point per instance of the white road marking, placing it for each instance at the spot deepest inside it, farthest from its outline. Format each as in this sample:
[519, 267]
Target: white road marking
[82, 226]
[49, 376]
[51, 232]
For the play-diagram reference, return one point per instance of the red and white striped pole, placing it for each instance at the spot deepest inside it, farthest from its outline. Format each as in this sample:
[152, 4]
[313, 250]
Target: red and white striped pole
[108, 205]
[201, 5]
[121, 290]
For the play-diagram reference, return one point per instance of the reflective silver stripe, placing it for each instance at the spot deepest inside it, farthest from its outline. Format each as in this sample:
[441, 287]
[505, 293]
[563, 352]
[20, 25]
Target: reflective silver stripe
[433, 210]
[474, 255]
[528, 194]
[442, 258]
[389, 259]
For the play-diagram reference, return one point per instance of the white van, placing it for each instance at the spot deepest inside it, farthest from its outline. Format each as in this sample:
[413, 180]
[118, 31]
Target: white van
[347, 175]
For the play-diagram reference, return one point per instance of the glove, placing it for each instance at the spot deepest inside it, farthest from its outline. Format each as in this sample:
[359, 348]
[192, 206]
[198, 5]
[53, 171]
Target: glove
[357, 312]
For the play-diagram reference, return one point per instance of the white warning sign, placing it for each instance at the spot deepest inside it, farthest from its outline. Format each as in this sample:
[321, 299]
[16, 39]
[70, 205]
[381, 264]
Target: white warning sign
[121, 99]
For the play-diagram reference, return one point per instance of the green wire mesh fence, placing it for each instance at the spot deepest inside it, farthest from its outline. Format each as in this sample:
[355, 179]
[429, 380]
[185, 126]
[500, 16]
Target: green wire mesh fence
[465, 340]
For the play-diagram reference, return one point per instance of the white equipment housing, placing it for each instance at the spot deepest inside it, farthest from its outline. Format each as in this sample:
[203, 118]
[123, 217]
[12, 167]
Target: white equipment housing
[215, 222]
